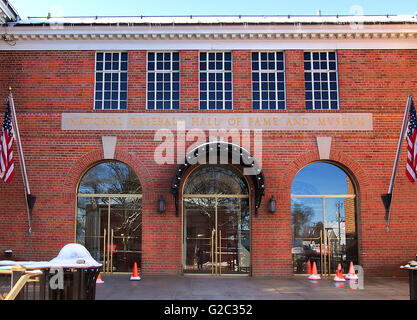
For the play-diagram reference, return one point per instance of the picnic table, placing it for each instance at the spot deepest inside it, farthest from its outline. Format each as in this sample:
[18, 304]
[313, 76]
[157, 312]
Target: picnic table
[412, 278]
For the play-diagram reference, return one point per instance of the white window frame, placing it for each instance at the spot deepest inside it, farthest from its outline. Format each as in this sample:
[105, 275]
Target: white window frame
[268, 71]
[216, 71]
[171, 81]
[313, 71]
[104, 72]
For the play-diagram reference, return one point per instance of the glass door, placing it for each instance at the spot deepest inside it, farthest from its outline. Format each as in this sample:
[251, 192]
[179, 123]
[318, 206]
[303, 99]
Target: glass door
[323, 232]
[216, 235]
[199, 226]
[92, 220]
[125, 233]
[307, 234]
[109, 215]
[110, 229]
[233, 235]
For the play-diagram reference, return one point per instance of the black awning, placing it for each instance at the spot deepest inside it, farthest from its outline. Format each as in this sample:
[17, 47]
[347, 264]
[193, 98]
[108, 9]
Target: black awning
[224, 153]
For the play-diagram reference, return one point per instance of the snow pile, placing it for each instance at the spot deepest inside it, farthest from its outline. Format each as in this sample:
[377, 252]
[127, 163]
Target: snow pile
[410, 265]
[72, 255]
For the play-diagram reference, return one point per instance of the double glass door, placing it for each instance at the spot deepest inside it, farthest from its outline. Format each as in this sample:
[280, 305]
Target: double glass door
[216, 234]
[324, 232]
[110, 228]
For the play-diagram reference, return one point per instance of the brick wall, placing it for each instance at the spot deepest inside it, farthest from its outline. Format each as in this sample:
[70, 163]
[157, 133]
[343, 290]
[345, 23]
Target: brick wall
[47, 83]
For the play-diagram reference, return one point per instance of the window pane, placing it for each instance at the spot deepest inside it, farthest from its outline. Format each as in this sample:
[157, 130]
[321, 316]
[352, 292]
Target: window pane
[272, 78]
[216, 80]
[110, 79]
[165, 80]
[325, 68]
[215, 179]
[330, 221]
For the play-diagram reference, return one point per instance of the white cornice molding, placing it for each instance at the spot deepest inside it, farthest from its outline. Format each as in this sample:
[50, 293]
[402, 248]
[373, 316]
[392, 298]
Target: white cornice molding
[56, 37]
[215, 35]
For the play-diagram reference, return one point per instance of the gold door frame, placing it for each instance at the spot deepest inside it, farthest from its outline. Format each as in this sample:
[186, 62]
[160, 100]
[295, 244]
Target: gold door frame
[250, 188]
[108, 233]
[324, 236]
[216, 239]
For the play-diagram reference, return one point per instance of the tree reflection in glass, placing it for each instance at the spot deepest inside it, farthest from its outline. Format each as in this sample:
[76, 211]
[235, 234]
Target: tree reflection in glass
[215, 179]
[323, 218]
[110, 178]
[216, 221]
[109, 202]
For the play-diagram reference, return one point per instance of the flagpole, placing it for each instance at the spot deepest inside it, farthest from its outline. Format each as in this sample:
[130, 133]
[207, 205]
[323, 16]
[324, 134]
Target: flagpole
[394, 169]
[22, 160]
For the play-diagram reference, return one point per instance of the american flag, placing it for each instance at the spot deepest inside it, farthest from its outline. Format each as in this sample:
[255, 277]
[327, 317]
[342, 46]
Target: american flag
[6, 151]
[412, 146]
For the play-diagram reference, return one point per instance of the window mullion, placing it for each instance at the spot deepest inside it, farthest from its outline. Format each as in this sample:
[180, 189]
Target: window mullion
[118, 93]
[328, 90]
[276, 86]
[224, 84]
[313, 95]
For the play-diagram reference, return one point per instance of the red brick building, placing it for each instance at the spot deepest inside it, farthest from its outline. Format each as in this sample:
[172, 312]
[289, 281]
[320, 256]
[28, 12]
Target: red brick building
[291, 93]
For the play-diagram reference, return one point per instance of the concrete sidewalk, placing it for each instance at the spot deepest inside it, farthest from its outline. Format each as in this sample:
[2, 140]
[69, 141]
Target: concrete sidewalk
[119, 287]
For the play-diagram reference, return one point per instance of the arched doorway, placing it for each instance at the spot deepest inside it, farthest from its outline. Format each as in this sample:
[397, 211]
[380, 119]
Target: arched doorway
[216, 215]
[324, 219]
[109, 215]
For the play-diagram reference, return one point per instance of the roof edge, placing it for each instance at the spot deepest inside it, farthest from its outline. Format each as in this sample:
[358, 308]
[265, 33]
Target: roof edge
[221, 19]
[7, 12]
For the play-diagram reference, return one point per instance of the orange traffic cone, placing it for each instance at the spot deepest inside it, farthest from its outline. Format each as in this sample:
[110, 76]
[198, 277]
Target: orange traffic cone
[135, 274]
[339, 274]
[308, 267]
[314, 275]
[351, 275]
[99, 281]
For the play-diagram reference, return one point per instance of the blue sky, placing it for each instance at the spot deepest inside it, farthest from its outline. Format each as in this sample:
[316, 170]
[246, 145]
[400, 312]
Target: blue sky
[41, 8]
[320, 178]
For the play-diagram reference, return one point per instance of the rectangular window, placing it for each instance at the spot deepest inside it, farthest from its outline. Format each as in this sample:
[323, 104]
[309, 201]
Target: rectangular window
[268, 80]
[320, 75]
[163, 91]
[216, 81]
[111, 81]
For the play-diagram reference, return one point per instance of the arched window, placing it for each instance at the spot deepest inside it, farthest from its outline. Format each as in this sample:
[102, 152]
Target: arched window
[323, 210]
[109, 215]
[215, 179]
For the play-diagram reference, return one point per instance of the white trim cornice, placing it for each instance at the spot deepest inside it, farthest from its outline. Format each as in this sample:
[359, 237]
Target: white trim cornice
[333, 36]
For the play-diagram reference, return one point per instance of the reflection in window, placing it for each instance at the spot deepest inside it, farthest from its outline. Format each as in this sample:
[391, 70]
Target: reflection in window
[216, 221]
[163, 88]
[320, 73]
[321, 178]
[109, 215]
[268, 80]
[111, 81]
[323, 218]
[110, 178]
[216, 81]
[215, 179]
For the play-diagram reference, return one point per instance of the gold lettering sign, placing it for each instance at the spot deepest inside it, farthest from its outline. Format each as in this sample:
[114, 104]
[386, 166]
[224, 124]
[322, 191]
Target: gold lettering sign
[209, 121]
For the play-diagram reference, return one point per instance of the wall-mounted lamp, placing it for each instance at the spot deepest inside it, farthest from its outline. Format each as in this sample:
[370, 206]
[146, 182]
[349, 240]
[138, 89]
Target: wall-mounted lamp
[272, 205]
[161, 204]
